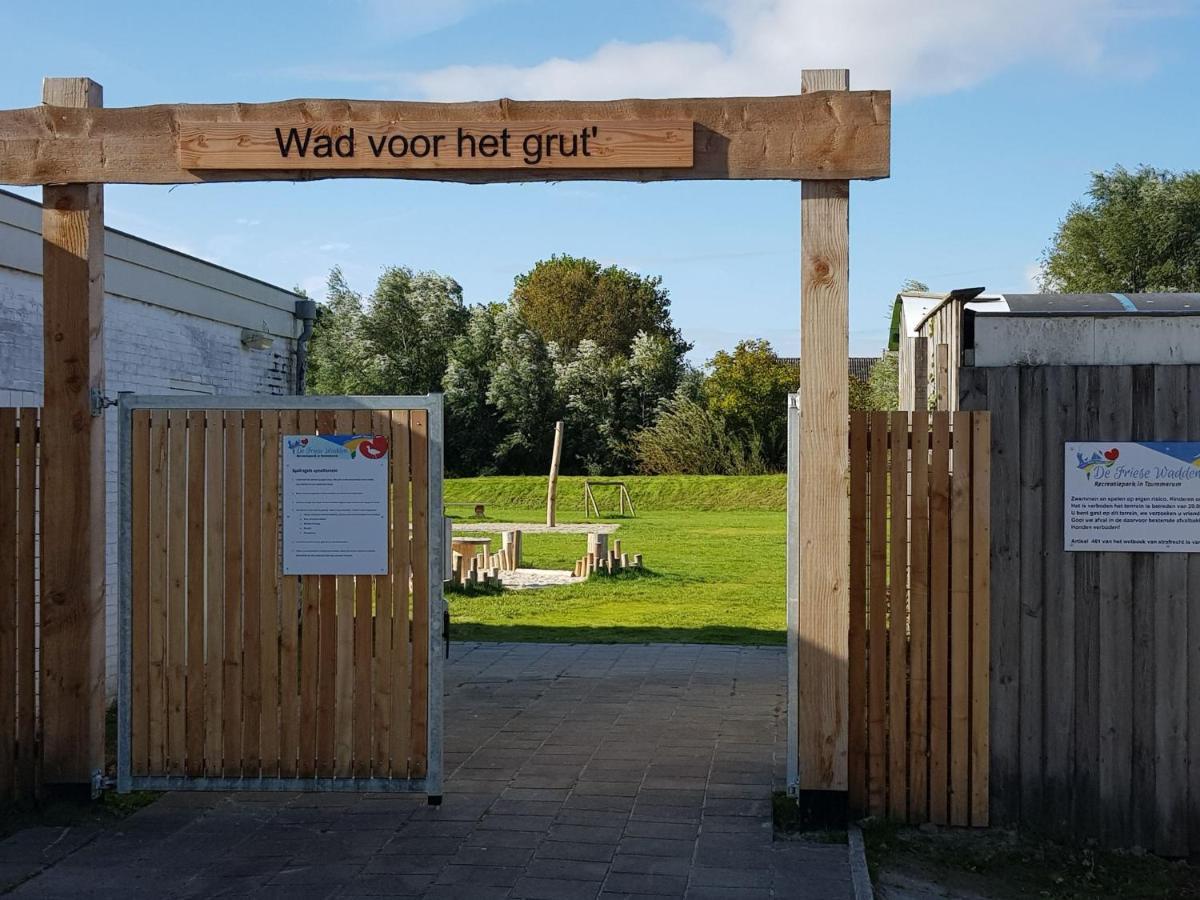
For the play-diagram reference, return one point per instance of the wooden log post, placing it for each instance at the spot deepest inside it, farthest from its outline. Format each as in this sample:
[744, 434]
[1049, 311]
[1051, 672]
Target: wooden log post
[552, 487]
[72, 470]
[824, 609]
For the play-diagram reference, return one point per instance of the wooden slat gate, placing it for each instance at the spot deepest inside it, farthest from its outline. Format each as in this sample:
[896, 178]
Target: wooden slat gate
[919, 615]
[236, 676]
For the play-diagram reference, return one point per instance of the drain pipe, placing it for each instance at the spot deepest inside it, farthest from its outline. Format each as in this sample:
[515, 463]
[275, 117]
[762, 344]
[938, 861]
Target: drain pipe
[306, 312]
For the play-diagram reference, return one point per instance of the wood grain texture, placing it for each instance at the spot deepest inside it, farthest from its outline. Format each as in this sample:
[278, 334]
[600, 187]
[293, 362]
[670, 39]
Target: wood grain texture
[981, 615]
[939, 622]
[28, 605]
[72, 465]
[918, 733]
[214, 587]
[877, 624]
[558, 145]
[344, 665]
[824, 608]
[176, 598]
[310, 630]
[857, 730]
[401, 738]
[818, 135]
[381, 633]
[269, 618]
[419, 714]
[252, 593]
[960, 620]
[364, 650]
[897, 633]
[156, 658]
[328, 649]
[196, 511]
[289, 637]
[231, 657]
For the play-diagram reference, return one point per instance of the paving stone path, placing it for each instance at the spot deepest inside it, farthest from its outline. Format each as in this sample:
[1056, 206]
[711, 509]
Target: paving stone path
[576, 771]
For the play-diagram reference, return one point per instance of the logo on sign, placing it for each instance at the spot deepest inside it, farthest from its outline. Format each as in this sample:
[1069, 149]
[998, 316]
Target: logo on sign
[1098, 459]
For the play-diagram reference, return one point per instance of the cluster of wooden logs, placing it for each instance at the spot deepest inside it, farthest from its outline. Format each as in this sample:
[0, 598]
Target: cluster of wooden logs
[474, 564]
[600, 558]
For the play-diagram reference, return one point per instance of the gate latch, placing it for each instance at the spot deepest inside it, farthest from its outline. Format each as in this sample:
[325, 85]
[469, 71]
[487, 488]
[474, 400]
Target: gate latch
[99, 401]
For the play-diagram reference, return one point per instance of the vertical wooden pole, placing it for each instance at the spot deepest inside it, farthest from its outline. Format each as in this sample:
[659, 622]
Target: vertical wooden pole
[72, 482]
[552, 489]
[824, 610]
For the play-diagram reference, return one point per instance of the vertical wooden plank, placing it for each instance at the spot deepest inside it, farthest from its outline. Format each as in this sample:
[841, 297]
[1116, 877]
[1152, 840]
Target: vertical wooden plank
[252, 600]
[897, 633]
[1033, 462]
[72, 468]
[289, 636]
[156, 726]
[231, 656]
[344, 673]
[27, 605]
[1059, 598]
[1144, 602]
[214, 589]
[877, 626]
[363, 647]
[918, 679]
[1086, 820]
[939, 622]
[941, 376]
[960, 620]
[824, 609]
[1115, 687]
[381, 633]
[857, 731]
[996, 389]
[10, 600]
[981, 613]
[327, 650]
[176, 589]
[269, 628]
[401, 738]
[1171, 643]
[419, 461]
[194, 686]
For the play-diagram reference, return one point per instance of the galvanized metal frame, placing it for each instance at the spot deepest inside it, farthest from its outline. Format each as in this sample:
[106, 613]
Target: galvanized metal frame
[431, 784]
[793, 590]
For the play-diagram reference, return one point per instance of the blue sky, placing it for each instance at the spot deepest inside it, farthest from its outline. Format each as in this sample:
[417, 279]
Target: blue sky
[1001, 109]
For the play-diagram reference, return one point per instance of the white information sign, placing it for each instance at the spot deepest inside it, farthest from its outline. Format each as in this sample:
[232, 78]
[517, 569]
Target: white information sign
[335, 504]
[1133, 496]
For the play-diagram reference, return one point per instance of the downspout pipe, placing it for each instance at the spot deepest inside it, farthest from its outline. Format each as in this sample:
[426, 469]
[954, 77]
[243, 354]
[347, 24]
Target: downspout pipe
[306, 312]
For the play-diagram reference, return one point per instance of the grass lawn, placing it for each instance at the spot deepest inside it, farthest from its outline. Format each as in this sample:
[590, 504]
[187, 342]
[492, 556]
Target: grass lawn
[712, 575]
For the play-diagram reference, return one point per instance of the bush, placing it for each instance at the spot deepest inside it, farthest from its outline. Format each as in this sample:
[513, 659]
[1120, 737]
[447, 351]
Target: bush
[689, 439]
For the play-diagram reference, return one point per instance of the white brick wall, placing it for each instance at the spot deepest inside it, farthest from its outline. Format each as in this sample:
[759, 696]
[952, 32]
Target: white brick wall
[148, 349]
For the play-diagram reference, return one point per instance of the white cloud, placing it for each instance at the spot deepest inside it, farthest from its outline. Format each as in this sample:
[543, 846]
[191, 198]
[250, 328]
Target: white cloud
[247, 222]
[917, 47]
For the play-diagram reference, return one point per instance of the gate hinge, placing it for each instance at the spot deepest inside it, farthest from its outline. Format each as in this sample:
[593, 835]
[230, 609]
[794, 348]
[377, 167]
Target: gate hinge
[101, 783]
[99, 401]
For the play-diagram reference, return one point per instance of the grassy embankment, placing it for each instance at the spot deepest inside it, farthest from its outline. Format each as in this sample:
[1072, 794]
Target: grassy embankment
[713, 549]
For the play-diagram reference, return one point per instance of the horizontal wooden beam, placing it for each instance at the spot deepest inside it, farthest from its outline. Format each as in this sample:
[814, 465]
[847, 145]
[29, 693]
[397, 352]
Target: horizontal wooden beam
[821, 135]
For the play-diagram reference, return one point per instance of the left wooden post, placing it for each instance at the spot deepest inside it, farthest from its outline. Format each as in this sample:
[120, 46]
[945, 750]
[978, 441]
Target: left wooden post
[72, 467]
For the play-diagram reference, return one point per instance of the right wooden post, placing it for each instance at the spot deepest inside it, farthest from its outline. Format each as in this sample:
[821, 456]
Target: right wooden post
[823, 619]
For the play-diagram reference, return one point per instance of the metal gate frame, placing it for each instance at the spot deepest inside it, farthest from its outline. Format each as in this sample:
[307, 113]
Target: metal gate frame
[431, 784]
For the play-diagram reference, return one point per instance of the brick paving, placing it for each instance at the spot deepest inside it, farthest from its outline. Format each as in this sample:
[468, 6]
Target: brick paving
[575, 771]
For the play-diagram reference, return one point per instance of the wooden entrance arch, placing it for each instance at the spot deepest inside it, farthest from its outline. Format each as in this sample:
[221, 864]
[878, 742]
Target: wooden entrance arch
[71, 145]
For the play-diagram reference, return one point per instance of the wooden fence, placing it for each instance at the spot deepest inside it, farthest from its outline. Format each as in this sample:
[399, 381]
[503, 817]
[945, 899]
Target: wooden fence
[239, 671]
[18, 603]
[919, 616]
[1095, 655]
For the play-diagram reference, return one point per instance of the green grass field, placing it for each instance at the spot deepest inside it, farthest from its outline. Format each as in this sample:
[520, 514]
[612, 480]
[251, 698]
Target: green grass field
[714, 555]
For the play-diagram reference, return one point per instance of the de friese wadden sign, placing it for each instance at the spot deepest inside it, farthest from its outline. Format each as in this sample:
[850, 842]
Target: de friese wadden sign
[436, 145]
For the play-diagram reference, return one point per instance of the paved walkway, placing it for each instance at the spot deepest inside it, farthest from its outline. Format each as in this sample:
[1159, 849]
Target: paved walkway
[576, 771]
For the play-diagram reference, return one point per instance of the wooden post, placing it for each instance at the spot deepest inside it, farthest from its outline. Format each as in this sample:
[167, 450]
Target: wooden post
[941, 382]
[552, 488]
[824, 609]
[920, 374]
[72, 470]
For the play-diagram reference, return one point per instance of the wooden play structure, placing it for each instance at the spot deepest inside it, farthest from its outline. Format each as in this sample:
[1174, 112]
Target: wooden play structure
[473, 563]
[623, 498]
[71, 146]
[601, 560]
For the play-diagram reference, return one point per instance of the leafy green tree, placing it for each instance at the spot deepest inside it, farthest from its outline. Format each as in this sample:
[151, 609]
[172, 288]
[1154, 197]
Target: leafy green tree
[591, 388]
[568, 299]
[688, 438]
[522, 391]
[473, 427]
[883, 387]
[860, 393]
[1138, 232]
[340, 356]
[749, 389]
[655, 371]
[412, 319]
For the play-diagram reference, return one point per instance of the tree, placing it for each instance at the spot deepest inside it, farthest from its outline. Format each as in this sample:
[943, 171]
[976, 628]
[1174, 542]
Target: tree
[749, 389]
[883, 387]
[591, 388]
[473, 427]
[412, 320]
[339, 352]
[568, 299]
[522, 391]
[689, 439]
[655, 371]
[1138, 232]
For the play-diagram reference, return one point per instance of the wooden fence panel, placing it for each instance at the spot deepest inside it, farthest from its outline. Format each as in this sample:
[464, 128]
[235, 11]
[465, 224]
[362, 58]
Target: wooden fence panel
[238, 670]
[920, 489]
[1094, 727]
